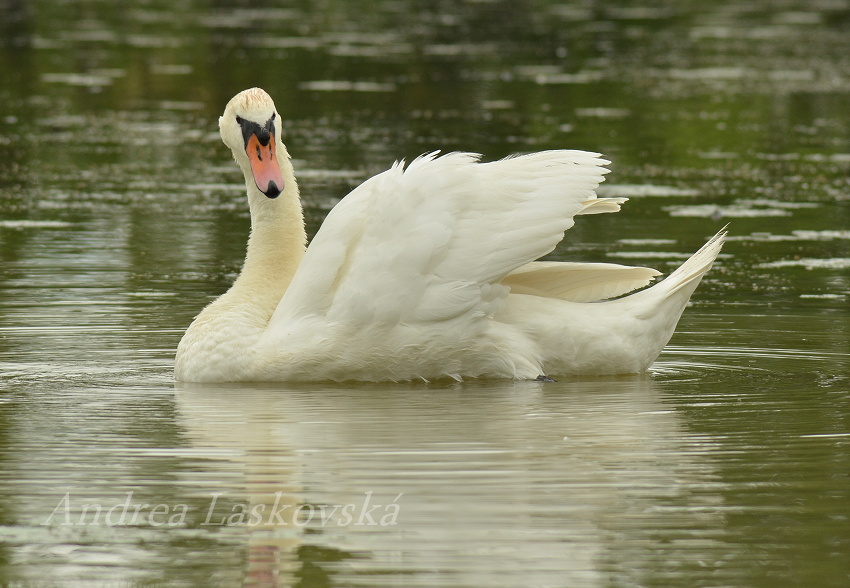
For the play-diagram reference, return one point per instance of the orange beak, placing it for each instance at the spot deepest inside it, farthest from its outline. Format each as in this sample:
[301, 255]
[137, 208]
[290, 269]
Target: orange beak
[264, 166]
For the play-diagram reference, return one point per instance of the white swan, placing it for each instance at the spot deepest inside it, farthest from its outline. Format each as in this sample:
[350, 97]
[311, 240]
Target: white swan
[426, 272]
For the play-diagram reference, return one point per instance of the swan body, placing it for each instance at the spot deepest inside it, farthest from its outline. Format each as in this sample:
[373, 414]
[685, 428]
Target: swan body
[427, 271]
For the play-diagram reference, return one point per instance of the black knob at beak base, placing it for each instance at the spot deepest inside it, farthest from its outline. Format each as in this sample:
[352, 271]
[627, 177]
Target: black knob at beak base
[272, 191]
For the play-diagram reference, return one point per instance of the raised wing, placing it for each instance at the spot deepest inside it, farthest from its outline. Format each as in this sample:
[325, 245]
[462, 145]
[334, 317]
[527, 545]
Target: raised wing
[433, 241]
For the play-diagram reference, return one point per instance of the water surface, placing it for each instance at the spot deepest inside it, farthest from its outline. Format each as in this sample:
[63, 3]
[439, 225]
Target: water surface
[122, 214]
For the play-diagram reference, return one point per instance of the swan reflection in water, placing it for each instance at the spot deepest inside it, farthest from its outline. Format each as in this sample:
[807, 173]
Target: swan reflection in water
[493, 482]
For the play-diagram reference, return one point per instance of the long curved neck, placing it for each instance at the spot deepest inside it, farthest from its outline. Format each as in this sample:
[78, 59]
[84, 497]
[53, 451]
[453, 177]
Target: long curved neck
[276, 245]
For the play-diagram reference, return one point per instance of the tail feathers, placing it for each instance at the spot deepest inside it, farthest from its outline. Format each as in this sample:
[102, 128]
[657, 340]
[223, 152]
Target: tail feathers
[690, 272]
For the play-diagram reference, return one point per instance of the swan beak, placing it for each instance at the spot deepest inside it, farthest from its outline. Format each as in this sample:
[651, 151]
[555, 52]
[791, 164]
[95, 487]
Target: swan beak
[264, 166]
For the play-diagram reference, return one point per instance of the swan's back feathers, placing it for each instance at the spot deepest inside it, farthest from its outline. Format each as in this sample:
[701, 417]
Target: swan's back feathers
[433, 241]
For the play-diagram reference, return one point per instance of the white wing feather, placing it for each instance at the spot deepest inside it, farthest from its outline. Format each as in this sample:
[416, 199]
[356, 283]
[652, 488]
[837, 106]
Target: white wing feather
[433, 241]
[578, 282]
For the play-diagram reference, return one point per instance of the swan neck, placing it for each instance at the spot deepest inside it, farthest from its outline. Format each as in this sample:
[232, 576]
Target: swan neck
[276, 244]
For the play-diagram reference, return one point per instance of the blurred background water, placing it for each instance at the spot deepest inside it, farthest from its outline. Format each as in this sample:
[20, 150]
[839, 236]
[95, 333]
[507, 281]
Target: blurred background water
[122, 214]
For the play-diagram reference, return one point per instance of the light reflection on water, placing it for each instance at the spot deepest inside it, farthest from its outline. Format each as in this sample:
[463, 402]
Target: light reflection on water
[479, 472]
[496, 483]
[121, 215]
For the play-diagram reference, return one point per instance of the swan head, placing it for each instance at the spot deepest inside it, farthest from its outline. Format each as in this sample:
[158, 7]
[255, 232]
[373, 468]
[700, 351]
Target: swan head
[250, 126]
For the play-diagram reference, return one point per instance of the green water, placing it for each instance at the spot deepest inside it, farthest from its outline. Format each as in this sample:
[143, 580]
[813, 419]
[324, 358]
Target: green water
[122, 214]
